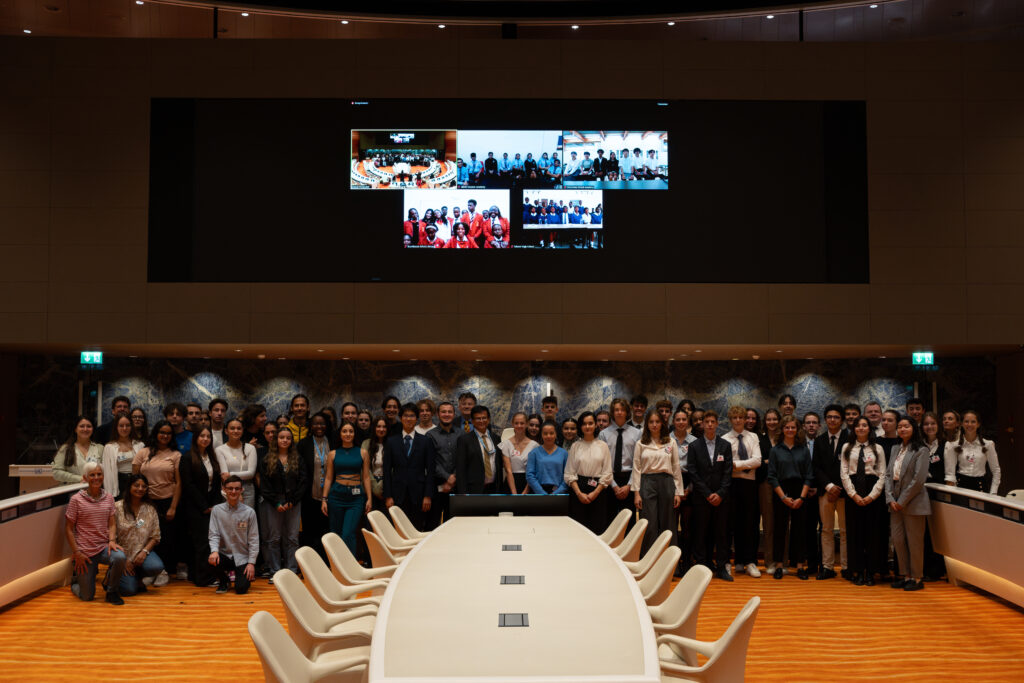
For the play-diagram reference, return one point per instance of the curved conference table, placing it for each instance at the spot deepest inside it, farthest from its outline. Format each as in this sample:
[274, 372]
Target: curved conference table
[583, 616]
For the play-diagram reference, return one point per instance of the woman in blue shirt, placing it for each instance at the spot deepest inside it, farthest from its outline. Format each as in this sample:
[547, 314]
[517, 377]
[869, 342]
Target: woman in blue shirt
[790, 475]
[345, 487]
[545, 466]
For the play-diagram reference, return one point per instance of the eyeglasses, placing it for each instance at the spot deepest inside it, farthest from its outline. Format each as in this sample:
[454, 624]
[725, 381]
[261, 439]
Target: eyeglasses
[233, 489]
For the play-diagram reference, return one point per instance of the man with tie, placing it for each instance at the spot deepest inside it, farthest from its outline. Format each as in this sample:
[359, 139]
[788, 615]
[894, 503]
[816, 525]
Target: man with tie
[621, 438]
[408, 465]
[477, 458]
[743, 495]
[476, 168]
[811, 425]
[639, 405]
[464, 422]
[826, 458]
[710, 465]
[504, 166]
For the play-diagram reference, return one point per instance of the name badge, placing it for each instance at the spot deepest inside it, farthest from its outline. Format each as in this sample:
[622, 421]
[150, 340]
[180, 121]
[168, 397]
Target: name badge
[720, 458]
[139, 523]
[243, 525]
[935, 458]
[591, 482]
[668, 449]
[356, 490]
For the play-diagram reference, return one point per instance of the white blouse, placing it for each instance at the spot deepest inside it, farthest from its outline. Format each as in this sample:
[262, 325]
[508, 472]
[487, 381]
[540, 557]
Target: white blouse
[654, 458]
[589, 459]
[971, 461]
[874, 464]
[238, 461]
[516, 457]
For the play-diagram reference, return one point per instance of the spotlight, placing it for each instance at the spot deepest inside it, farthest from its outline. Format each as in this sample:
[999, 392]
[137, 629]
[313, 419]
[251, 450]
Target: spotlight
[440, 25]
[873, 6]
[139, 2]
[671, 23]
[770, 16]
[27, 30]
[575, 27]
[245, 14]
[345, 21]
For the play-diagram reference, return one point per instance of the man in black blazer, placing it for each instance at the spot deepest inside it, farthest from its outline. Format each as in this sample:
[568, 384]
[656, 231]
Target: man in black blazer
[828, 447]
[709, 465]
[409, 469]
[475, 454]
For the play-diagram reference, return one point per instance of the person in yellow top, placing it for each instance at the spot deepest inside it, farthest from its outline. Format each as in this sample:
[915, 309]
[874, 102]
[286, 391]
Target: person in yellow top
[299, 424]
[69, 462]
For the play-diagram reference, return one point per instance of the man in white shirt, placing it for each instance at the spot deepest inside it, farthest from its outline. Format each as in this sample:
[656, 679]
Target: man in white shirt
[873, 412]
[831, 501]
[639, 406]
[621, 438]
[811, 425]
[743, 495]
[218, 408]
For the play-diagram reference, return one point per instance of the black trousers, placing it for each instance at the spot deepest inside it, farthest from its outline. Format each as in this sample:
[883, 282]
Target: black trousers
[786, 518]
[743, 513]
[934, 564]
[200, 570]
[227, 564]
[593, 515]
[711, 528]
[812, 537]
[438, 508]
[865, 543]
[412, 506]
[167, 548]
[314, 525]
[615, 505]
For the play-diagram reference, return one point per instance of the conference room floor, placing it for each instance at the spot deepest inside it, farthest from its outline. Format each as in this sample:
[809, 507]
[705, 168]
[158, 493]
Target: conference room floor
[805, 631]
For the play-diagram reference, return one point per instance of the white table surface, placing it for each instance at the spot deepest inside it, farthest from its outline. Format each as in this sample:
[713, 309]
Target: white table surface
[438, 620]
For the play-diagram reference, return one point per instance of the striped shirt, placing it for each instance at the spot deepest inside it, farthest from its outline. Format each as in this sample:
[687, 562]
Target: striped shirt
[91, 519]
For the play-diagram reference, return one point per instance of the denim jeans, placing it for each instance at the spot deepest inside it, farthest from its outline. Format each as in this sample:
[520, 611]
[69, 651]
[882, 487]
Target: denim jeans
[87, 581]
[132, 584]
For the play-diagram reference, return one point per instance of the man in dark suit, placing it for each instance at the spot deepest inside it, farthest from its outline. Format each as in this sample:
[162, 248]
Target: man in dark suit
[709, 465]
[828, 447]
[478, 461]
[409, 469]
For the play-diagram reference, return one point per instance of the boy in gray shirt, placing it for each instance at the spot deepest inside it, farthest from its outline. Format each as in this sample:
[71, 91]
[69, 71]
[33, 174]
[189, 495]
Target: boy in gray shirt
[234, 538]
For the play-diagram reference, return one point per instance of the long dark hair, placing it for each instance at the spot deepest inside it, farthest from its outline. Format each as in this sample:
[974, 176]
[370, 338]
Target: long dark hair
[916, 440]
[853, 438]
[373, 439]
[960, 446]
[196, 456]
[152, 445]
[663, 436]
[114, 435]
[69, 445]
[140, 433]
[126, 502]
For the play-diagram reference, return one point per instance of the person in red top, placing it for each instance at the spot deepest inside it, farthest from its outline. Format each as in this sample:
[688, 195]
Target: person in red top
[90, 525]
[460, 241]
[414, 226]
[491, 217]
[430, 239]
[498, 239]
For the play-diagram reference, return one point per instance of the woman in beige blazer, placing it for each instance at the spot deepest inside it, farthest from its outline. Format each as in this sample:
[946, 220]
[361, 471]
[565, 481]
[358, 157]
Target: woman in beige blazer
[908, 502]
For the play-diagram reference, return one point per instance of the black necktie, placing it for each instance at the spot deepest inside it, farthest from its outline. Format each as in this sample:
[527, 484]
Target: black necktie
[408, 446]
[860, 462]
[618, 450]
[741, 450]
[833, 446]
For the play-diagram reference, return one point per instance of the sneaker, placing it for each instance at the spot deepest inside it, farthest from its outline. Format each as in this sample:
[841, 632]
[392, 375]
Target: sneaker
[147, 580]
[161, 579]
[213, 582]
[114, 599]
[76, 590]
[182, 573]
[271, 580]
[753, 571]
[222, 587]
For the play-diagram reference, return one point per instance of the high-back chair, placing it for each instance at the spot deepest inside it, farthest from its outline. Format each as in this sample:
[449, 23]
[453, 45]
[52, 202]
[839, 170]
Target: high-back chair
[657, 583]
[727, 656]
[404, 524]
[314, 630]
[333, 596]
[346, 568]
[394, 542]
[380, 556]
[678, 614]
[644, 564]
[283, 662]
[629, 549]
[613, 534]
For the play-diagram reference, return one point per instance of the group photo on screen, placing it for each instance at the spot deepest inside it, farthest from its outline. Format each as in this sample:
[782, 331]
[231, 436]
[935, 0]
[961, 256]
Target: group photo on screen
[615, 160]
[564, 219]
[456, 219]
[400, 159]
[507, 158]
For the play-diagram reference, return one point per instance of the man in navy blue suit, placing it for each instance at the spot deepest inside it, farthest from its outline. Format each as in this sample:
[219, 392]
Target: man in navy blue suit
[409, 469]
[477, 458]
[709, 464]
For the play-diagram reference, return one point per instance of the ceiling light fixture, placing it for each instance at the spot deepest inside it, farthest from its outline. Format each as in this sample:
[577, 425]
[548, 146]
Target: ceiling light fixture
[575, 27]
[770, 16]
[440, 25]
[261, 356]
[319, 350]
[671, 23]
[622, 350]
[345, 21]
[27, 30]
[873, 6]
[139, 2]
[245, 14]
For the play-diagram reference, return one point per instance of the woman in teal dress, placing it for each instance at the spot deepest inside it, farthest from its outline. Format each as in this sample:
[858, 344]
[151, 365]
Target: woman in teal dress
[346, 487]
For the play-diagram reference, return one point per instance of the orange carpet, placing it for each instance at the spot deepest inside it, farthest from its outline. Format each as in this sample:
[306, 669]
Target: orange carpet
[806, 631]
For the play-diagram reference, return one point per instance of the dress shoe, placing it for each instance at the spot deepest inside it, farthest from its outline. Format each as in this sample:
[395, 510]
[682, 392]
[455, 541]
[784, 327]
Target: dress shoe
[847, 574]
[777, 573]
[869, 581]
[898, 583]
[829, 573]
[724, 575]
[114, 598]
[913, 585]
[801, 574]
[858, 580]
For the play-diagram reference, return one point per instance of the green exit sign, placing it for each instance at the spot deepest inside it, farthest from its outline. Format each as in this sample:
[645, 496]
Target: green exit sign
[923, 358]
[92, 358]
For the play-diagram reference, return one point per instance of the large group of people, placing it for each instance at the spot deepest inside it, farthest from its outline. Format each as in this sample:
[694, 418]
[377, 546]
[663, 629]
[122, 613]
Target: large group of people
[214, 499]
[504, 172]
[461, 229]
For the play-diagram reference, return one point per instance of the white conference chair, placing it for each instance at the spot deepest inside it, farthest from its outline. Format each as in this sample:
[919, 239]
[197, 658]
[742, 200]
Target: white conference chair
[727, 656]
[380, 555]
[283, 662]
[404, 524]
[644, 564]
[316, 631]
[333, 596]
[657, 583]
[613, 534]
[391, 539]
[678, 614]
[629, 549]
[346, 568]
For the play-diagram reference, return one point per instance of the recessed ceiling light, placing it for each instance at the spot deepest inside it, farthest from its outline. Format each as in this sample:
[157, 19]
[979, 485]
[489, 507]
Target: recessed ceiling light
[873, 6]
[684, 355]
[281, 358]
[735, 358]
[756, 357]
[206, 358]
[575, 27]
[414, 359]
[473, 350]
[881, 356]
[440, 25]
[238, 350]
[770, 16]
[395, 350]
[245, 14]
[604, 360]
[27, 30]
[139, 2]
[133, 356]
[319, 350]
[261, 355]
[543, 350]
[344, 357]
[671, 358]
[778, 351]
[622, 350]
[671, 23]
[697, 351]
[344, 21]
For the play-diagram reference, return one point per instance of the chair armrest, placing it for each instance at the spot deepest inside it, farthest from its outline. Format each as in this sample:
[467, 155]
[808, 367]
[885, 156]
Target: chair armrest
[706, 649]
[354, 603]
[322, 669]
[348, 615]
[383, 572]
[363, 587]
